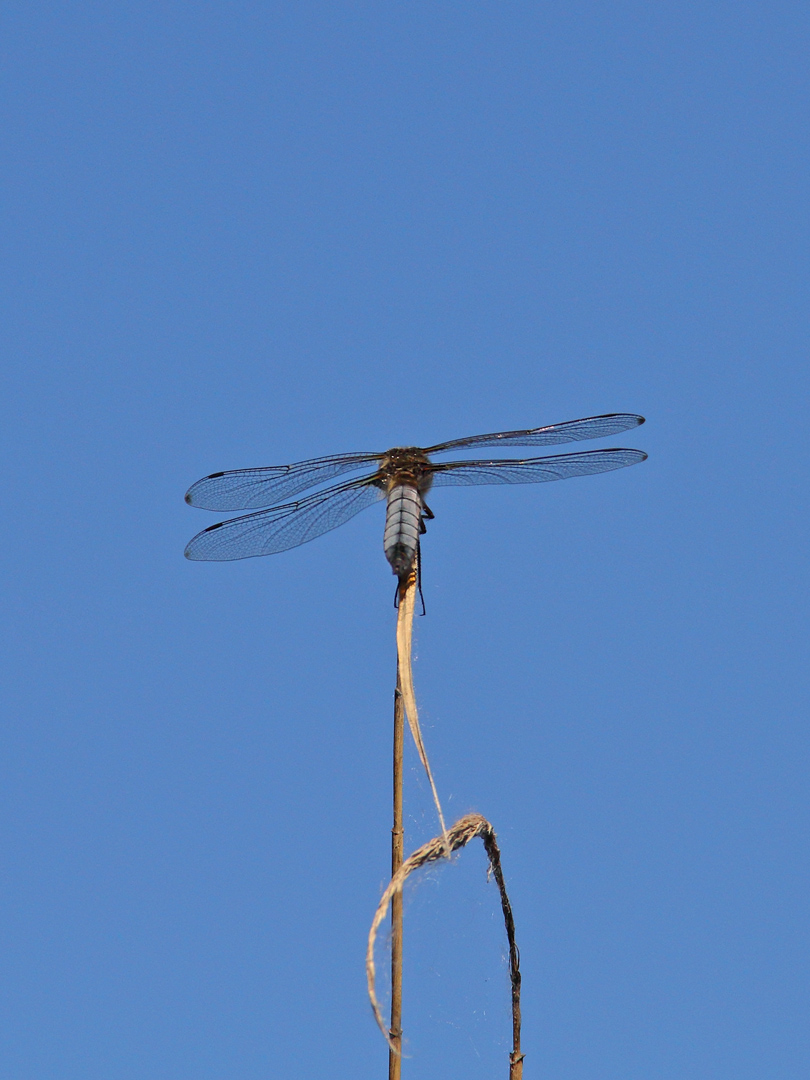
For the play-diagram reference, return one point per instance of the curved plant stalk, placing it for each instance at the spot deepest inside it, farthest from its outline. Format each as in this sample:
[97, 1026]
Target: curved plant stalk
[464, 830]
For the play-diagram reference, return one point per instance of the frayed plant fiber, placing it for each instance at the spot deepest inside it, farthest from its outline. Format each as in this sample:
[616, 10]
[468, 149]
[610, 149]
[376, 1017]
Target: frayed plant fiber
[460, 834]
[407, 603]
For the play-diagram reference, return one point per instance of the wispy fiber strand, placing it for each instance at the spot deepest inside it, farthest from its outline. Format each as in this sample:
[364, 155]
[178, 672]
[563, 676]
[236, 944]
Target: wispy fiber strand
[460, 834]
[407, 602]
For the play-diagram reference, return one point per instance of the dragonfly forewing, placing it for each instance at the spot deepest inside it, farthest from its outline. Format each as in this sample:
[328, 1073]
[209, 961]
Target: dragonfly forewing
[593, 427]
[251, 489]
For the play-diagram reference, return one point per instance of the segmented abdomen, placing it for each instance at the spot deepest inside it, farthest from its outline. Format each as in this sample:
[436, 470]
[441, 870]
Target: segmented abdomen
[402, 519]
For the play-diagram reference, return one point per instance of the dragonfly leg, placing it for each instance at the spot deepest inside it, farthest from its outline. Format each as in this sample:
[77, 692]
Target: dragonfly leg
[419, 569]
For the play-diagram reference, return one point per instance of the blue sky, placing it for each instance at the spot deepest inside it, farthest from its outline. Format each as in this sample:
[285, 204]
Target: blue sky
[241, 234]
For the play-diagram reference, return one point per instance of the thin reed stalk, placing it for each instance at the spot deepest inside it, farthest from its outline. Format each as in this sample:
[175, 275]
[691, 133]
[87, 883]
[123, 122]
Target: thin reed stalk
[404, 704]
[397, 852]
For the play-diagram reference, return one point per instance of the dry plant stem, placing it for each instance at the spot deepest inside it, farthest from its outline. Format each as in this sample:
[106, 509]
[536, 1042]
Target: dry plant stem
[407, 602]
[397, 852]
[404, 693]
[464, 830]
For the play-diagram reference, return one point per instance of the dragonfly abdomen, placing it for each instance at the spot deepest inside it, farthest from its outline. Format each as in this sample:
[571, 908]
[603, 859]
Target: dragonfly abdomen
[403, 519]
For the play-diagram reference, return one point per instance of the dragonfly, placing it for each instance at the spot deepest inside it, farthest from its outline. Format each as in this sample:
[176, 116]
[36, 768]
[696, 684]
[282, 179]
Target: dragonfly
[402, 476]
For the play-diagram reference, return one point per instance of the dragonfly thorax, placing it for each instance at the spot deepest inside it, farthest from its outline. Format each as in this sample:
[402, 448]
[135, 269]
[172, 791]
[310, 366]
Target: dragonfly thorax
[405, 465]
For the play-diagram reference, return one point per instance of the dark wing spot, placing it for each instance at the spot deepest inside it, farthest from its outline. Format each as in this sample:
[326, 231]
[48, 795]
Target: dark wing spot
[215, 476]
[217, 526]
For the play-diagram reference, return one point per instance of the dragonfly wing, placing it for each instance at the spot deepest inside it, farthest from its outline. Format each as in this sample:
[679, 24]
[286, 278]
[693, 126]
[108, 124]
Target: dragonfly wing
[593, 427]
[283, 527]
[250, 489]
[534, 470]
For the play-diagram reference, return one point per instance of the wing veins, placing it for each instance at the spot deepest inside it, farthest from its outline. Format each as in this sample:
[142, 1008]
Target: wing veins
[591, 427]
[534, 470]
[282, 527]
[253, 489]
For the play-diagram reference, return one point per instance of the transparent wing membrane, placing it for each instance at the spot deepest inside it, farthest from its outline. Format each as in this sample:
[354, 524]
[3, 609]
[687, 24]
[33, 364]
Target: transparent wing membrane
[292, 523]
[594, 427]
[283, 527]
[534, 470]
[250, 489]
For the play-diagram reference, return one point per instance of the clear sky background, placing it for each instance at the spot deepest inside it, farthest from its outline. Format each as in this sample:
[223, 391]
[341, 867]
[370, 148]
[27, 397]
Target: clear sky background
[247, 233]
